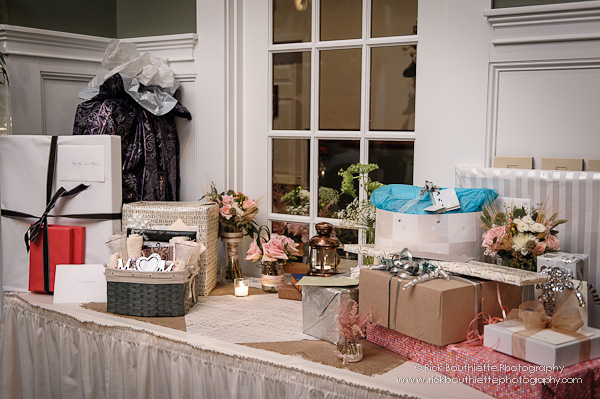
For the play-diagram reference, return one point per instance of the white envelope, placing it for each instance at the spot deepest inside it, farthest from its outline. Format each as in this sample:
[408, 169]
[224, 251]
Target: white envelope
[23, 168]
[79, 284]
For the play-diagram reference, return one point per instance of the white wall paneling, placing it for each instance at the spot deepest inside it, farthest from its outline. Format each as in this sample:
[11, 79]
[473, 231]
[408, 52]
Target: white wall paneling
[544, 81]
[59, 95]
[544, 109]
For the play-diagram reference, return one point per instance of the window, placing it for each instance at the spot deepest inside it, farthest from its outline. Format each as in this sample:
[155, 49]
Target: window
[342, 76]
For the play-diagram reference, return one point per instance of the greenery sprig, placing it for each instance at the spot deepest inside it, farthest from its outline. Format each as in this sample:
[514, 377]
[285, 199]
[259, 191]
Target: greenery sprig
[360, 172]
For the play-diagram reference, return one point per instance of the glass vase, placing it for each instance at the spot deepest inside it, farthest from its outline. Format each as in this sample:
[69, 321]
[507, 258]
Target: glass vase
[349, 351]
[232, 241]
[272, 276]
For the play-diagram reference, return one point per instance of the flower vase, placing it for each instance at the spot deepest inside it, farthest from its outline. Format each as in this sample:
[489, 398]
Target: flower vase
[272, 276]
[349, 351]
[232, 240]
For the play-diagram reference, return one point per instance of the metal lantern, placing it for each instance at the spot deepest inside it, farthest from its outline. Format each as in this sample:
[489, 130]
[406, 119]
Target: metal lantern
[323, 258]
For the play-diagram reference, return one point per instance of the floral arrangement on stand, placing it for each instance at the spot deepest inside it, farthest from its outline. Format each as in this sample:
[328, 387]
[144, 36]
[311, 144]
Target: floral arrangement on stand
[359, 214]
[351, 327]
[517, 236]
[272, 251]
[237, 214]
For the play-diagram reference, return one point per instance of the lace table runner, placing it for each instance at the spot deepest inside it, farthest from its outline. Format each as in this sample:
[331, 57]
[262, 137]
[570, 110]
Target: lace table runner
[255, 318]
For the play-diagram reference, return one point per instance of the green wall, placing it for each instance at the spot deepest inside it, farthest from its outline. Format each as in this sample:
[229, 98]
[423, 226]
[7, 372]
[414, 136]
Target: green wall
[519, 3]
[88, 17]
[106, 18]
[155, 17]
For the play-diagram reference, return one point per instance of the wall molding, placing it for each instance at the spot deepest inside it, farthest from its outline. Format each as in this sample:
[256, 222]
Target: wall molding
[19, 40]
[495, 72]
[32, 42]
[545, 14]
[174, 48]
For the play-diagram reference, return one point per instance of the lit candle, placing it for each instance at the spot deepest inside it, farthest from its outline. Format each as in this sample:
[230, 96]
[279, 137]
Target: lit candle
[240, 286]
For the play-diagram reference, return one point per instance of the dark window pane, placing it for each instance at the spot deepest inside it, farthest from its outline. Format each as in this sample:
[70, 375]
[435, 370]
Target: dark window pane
[347, 259]
[291, 174]
[395, 160]
[339, 89]
[341, 19]
[393, 77]
[291, 91]
[333, 156]
[393, 18]
[291, 21]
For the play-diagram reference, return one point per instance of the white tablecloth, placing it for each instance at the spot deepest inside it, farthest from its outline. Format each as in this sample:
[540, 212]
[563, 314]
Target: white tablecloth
[66, 351]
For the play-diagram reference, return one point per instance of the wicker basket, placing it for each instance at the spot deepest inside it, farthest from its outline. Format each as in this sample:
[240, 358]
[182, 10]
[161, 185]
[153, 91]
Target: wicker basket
[150, 294]
[205, 215]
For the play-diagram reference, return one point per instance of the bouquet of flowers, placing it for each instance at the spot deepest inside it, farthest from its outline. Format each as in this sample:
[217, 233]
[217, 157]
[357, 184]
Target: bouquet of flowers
[352, 327]
[518, 236]
[271, 247]
[236, 211]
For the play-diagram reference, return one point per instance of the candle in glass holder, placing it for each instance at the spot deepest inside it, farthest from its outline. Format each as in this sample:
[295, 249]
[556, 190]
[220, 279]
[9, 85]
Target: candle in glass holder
[240, 286]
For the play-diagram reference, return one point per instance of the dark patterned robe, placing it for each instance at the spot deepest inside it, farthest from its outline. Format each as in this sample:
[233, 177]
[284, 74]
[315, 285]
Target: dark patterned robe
[149, 143]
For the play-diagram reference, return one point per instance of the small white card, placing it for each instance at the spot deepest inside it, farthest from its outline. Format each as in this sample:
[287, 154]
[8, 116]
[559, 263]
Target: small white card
[81, 163]
[79, 284]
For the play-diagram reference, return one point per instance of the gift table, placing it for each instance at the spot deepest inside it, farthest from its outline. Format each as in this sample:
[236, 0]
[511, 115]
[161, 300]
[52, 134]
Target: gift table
[67, 351]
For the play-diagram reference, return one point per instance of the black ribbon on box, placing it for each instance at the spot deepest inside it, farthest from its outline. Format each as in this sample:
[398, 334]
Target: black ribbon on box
[51, 199]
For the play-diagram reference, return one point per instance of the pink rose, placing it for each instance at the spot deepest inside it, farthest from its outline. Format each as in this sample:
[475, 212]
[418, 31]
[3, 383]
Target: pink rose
[226, 211]
[299, 229]
[498, 233]
[228, 199]
[552, 242]
[540, 248]
[274, 250]
[290, 245]
[249, 204]
[254, 252]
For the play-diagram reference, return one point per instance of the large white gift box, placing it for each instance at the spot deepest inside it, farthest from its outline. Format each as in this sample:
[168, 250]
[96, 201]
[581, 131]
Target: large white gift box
[546, 347]
[451, 233]
[91, 160]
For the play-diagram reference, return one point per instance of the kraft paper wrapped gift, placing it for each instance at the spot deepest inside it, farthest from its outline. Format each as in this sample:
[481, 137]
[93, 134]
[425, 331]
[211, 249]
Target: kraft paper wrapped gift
[546, 347]
[203, 216]
[436, 311]
[453, 233]
[575, 263]
[91, 160]
[66, 246]
[318, 304]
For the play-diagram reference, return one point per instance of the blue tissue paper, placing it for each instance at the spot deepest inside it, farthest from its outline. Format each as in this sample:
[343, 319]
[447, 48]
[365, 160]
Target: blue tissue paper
[394, 197]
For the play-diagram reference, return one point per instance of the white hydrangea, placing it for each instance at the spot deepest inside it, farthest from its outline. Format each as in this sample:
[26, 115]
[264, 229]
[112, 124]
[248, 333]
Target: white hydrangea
[520, 241]
[527, 220]
[304, 194]
[521, 225]
[537, 228]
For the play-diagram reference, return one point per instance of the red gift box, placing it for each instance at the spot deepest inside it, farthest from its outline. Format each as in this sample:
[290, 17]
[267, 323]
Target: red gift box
[66, 247]
[494, 373]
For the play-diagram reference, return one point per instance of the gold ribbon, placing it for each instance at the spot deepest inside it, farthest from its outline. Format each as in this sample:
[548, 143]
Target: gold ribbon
[566, 320]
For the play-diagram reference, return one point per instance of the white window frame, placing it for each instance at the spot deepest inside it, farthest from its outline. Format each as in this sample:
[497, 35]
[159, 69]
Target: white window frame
[314, 135]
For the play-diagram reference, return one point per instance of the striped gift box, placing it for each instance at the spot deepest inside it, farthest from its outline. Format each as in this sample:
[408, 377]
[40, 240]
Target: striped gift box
[574, 195]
